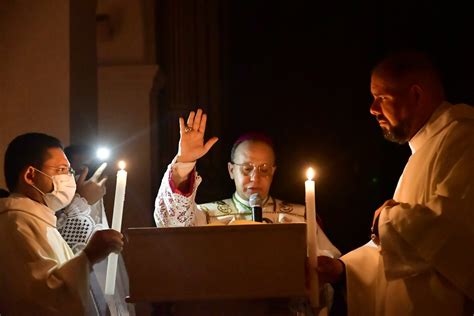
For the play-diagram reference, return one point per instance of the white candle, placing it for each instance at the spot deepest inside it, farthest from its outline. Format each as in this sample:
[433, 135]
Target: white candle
[117, 225]
[311, 235]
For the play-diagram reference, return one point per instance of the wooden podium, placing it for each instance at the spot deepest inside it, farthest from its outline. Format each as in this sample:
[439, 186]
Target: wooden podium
[218, 270]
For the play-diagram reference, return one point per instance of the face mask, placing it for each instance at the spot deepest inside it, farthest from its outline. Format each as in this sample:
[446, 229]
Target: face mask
[64, 188]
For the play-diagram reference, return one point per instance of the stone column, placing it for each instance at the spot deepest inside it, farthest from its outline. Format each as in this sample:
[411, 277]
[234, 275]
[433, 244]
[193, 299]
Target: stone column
[124, 125]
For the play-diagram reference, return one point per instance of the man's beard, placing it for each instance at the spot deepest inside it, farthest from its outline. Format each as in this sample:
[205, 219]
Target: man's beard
[397, 134]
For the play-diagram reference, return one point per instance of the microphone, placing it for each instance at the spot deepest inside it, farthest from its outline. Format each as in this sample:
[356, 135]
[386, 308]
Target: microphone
[255, 202]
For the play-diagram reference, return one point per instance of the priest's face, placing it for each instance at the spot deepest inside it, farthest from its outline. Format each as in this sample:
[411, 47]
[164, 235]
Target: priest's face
[55, 164]
[393, 106]
[252, 169]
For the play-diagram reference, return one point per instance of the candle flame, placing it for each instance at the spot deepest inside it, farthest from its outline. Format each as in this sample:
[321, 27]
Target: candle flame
[121, 164]
[310, 173]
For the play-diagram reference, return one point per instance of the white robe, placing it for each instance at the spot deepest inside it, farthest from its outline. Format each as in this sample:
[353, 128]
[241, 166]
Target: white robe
[39, 275]
[76, 224]
[425, 262]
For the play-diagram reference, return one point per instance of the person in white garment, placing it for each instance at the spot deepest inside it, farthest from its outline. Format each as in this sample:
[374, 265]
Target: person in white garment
[252, 167]
[85, 215]
[39, 274]
[421, 259]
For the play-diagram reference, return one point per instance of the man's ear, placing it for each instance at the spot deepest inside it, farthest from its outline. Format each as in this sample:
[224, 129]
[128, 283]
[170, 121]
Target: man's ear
[417, 93]
[230, 168]
[29, 175]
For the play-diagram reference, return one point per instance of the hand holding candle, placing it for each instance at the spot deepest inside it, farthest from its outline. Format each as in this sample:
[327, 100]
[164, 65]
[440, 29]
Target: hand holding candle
[117, 225]
[311, 234]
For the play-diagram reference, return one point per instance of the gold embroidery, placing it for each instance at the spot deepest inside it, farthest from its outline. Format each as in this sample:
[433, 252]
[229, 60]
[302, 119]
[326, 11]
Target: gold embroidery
[286, 207]
[223, 207]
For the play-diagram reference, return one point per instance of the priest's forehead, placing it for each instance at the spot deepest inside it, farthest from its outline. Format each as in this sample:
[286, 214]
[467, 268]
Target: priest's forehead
[254, 151]
[252, 137]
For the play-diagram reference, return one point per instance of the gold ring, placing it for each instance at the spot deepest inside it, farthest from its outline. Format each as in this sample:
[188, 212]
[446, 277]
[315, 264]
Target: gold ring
[187, 129]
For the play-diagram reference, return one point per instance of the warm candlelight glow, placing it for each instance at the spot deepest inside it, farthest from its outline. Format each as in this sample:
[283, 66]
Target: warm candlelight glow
[311, 235]
[121, 164]
[117, 225]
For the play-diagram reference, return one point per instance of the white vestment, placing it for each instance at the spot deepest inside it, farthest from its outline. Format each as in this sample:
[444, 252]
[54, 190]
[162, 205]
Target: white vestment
[173, 209]
[425, 262]
[77, 223]
[39, 274]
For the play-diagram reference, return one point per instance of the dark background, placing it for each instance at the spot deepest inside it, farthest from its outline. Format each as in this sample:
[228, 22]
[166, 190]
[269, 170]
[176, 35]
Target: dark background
[299, 71]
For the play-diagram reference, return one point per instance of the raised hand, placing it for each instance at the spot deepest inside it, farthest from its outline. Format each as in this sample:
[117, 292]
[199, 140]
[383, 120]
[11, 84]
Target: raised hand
[191, 144]
[94, 188]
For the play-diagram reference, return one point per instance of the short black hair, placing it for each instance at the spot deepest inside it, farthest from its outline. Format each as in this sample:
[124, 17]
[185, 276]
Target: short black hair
[26, 150]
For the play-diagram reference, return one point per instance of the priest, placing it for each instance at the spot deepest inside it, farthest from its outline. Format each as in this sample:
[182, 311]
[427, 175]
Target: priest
[421, 258]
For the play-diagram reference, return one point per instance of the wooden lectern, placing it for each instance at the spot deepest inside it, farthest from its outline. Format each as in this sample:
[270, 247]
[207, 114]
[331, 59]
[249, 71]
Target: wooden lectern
[218, 270]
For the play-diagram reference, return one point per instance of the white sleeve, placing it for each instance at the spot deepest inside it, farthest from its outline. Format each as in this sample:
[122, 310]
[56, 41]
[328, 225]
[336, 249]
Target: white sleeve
[439, 233]
[173, 208]
[76, 224]
[34, 275]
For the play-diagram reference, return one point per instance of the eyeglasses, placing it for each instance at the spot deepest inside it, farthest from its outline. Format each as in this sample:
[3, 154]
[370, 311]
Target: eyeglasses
[248, 168]
[62, 170]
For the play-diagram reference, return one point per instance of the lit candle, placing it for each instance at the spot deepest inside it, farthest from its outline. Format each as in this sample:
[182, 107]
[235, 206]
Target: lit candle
[311, 235]
[117, 225]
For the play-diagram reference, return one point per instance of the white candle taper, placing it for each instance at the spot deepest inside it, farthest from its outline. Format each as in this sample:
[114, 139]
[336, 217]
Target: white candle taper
[117, 225]
[311, 235]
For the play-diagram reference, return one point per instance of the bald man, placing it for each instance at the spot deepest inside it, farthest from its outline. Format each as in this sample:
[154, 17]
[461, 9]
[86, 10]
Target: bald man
[251, 168]
[421, 258]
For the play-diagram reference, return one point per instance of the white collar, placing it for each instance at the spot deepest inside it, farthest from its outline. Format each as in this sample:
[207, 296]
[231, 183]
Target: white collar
[20, 202]
[435, 124]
